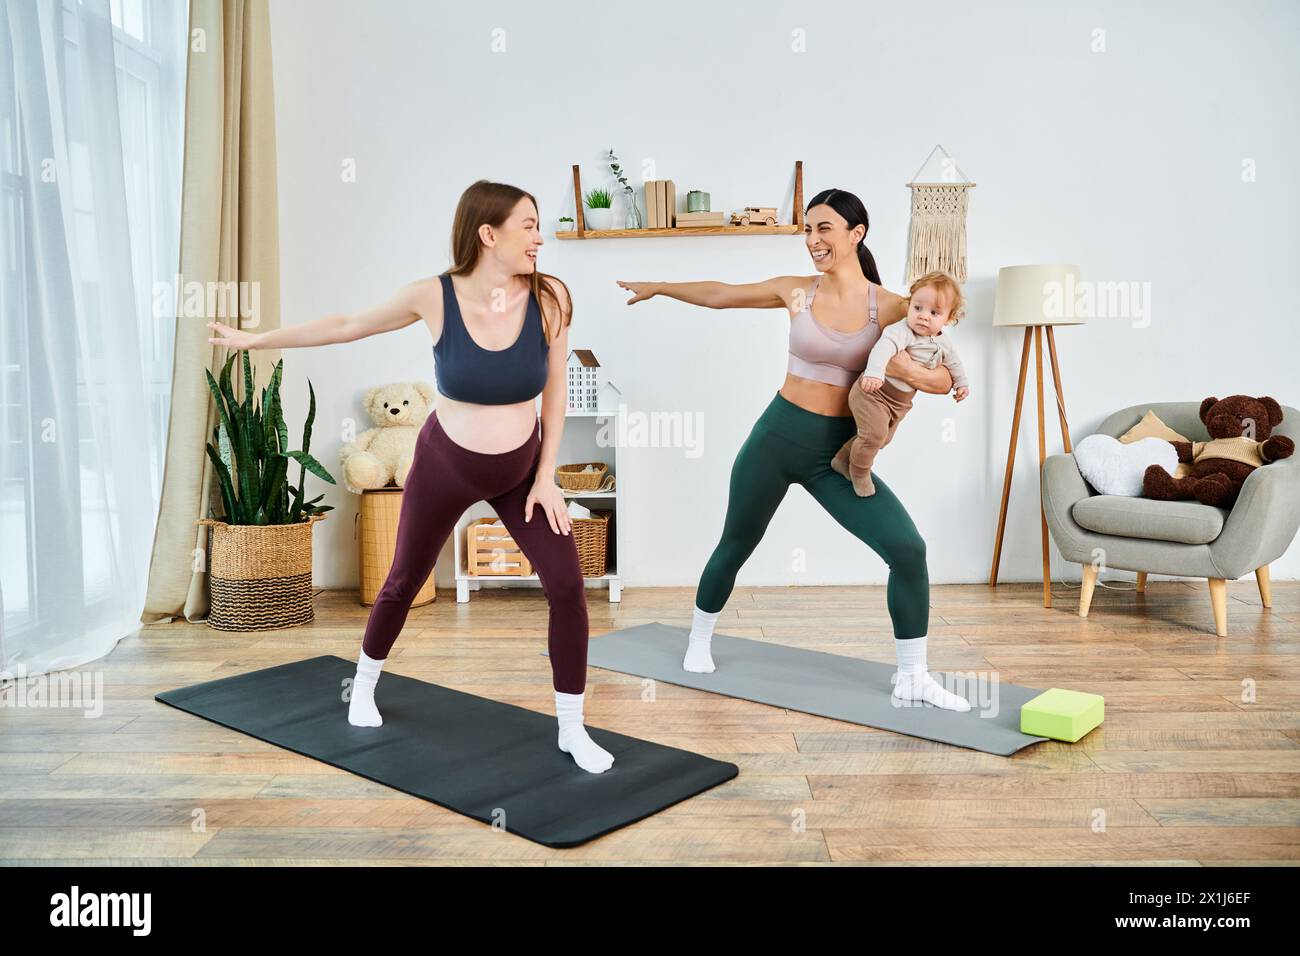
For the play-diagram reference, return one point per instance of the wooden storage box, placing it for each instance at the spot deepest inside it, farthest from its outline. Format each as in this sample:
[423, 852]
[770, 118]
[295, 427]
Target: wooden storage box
[489, 550]
[376, 533]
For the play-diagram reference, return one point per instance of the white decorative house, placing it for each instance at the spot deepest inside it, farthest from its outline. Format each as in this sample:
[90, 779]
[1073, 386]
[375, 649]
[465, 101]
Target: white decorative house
[585, 379]
[608, 397]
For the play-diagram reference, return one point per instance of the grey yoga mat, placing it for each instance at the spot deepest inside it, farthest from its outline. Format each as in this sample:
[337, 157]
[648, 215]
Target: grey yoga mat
[494, 762]
[828, 685]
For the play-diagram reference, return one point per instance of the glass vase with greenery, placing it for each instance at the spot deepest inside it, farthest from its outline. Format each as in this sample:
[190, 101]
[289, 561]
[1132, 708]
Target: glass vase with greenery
[633, 220]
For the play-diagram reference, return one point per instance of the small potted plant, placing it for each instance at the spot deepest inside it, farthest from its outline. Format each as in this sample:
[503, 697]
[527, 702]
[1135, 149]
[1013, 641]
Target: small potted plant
[565, 224]
[600, 209]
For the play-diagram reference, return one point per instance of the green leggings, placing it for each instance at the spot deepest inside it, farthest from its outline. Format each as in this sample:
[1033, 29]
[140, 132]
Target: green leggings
[789, 444]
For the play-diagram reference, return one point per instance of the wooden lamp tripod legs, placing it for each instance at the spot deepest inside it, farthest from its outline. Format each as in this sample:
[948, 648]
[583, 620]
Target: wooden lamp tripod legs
[1037, 332]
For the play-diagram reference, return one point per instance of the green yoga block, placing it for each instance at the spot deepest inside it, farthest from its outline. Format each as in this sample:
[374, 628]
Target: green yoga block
[1061, 714]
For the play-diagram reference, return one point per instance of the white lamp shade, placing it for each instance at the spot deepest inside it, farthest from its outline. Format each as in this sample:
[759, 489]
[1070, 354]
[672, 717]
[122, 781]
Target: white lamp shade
[1037, 295]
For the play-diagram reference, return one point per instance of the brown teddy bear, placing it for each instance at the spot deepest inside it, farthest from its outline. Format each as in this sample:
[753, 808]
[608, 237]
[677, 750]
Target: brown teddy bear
[1241, 439]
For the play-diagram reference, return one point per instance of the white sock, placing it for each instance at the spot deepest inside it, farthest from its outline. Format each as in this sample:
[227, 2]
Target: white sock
[587, 754]
[362, 711]
[699, 658]
[914, 683]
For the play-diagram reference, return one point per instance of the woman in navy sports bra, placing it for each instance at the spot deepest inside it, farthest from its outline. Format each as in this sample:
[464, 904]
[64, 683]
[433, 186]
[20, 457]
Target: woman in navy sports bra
[808, 421]
[500, 330]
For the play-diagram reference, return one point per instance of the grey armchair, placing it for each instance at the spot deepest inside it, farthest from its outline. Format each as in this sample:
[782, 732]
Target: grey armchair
[1184, 538]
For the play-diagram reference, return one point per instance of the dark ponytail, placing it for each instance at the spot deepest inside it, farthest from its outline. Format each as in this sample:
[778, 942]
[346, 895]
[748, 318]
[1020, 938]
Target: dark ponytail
[850, 207]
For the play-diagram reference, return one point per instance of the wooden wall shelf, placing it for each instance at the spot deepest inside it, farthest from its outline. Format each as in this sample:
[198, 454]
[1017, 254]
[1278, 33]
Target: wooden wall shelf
[682, 231]
[781, 229]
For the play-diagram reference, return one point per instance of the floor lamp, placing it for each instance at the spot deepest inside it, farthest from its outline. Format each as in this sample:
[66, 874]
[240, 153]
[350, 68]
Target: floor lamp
[1034, 298]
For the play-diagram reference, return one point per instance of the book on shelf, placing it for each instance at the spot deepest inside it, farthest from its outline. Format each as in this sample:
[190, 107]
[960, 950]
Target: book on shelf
[651, 206]
[696, 220]
[661, 206]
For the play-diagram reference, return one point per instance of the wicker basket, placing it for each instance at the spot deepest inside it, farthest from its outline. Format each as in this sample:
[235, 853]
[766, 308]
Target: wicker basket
[489, 550]
[260, 575]
[591, 535]
[573, 478]
[375, 529]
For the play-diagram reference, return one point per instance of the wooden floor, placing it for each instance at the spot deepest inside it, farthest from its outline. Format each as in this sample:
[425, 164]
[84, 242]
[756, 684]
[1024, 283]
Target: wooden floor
[1185, 771]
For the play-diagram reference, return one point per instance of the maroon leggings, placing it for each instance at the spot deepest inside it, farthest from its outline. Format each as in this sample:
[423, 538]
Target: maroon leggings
[444, 480]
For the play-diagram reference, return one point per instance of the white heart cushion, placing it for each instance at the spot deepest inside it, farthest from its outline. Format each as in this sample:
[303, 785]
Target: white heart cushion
[1115, 468]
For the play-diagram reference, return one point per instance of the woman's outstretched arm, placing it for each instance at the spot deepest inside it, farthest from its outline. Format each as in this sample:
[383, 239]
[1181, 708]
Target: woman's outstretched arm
[402, 309]
[774, 293]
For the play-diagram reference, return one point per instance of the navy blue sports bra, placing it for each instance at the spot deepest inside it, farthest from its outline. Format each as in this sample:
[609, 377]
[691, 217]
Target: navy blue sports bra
[467, 372]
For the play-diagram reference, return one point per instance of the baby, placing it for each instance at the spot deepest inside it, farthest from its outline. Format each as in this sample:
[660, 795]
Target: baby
[880, 401]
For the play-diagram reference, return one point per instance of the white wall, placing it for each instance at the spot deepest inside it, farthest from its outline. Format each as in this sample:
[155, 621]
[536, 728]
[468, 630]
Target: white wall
[1127, 162]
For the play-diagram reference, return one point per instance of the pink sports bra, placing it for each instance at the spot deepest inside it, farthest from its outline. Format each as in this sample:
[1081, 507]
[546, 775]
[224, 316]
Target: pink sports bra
[828, 355]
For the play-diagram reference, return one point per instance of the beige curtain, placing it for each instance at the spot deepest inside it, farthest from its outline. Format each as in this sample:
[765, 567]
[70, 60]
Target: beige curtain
[230, 238]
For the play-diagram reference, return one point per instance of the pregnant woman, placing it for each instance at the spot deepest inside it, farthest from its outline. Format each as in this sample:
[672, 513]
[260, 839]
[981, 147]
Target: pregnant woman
[500, 333]
[808, 420]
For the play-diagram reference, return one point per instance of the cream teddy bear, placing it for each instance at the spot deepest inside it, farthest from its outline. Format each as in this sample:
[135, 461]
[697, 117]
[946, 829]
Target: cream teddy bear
[383, 455]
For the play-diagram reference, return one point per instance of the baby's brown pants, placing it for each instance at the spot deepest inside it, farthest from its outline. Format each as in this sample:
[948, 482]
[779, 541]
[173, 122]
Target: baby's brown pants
[877, 414]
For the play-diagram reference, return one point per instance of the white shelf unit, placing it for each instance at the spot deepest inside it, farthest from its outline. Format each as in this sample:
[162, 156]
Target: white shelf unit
[577, 444]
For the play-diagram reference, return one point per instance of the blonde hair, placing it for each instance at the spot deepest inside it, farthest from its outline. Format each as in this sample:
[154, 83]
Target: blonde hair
[945, 283]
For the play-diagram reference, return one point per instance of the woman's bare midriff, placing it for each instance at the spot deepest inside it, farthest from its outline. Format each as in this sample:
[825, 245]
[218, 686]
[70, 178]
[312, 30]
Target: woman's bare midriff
[488, 429]
[815, 396]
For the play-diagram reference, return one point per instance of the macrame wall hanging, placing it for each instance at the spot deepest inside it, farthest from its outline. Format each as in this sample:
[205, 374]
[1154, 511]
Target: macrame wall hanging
[937, 237]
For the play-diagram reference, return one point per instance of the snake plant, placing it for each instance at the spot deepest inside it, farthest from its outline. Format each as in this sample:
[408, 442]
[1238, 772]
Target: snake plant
[250, 452]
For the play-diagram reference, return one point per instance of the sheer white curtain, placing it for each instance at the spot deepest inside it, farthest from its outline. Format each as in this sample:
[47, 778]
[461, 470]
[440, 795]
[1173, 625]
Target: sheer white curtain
[91, 124]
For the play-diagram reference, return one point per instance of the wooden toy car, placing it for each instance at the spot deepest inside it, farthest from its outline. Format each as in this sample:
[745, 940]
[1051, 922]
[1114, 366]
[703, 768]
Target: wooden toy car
[757, 215]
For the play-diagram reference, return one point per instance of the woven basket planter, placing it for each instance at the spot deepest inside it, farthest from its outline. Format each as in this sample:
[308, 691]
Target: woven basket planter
[260, 575]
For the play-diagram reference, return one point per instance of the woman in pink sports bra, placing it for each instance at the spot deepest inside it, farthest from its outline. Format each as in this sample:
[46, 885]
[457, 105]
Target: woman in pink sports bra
[808, 421]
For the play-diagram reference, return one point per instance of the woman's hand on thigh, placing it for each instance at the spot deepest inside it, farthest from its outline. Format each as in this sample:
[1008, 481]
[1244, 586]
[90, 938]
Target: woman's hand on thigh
[546, 495]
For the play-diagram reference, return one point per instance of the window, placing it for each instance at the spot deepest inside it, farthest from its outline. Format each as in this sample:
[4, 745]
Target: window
[56, 363]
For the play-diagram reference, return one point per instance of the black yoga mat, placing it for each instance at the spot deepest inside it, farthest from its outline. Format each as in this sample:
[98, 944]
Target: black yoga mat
[495, 762]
